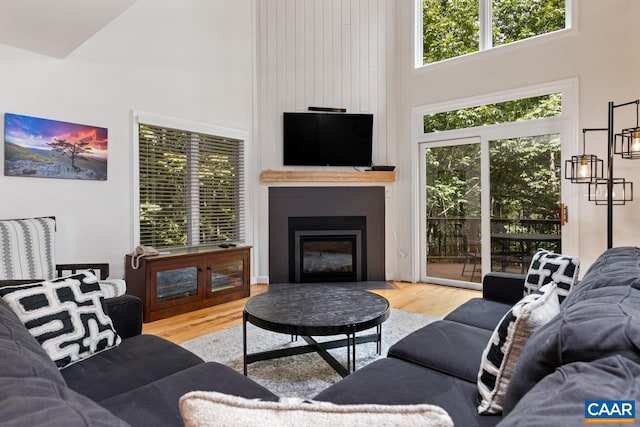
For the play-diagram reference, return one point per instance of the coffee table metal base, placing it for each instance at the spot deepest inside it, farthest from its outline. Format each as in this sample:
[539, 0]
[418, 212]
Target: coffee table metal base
[321, 348]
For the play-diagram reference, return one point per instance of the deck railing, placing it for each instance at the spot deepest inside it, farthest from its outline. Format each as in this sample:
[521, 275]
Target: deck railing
[451, 239]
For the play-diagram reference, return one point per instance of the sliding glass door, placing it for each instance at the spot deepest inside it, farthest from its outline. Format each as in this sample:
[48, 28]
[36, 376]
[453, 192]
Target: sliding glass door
[525, 199]
[453, 210]
[489, 202]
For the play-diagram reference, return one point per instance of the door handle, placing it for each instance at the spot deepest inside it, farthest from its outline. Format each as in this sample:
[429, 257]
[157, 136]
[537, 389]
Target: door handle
[564, 214]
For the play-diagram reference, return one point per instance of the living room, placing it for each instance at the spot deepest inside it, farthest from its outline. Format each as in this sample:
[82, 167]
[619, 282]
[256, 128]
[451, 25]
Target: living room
[226, 63]
[133, 64]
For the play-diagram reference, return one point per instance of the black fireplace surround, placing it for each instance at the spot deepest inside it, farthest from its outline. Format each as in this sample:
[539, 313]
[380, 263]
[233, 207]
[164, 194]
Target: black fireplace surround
[346, 215]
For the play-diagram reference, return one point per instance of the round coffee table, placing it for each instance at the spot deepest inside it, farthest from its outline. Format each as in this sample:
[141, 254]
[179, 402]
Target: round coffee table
[316, 311]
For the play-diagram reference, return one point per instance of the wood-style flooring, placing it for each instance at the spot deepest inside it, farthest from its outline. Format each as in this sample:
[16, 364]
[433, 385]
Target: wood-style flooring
[435, 300]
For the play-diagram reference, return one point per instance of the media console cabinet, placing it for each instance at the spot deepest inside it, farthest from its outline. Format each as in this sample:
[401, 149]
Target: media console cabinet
[184, 280]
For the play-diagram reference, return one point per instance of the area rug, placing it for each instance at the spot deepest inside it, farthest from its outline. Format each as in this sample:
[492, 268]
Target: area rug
[303, 375]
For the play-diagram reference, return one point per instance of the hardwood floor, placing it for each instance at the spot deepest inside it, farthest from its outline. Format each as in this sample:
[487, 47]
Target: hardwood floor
[435, 300]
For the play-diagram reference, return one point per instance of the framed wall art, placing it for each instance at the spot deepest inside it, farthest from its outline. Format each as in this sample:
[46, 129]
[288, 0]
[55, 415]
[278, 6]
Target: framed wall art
[43, 148]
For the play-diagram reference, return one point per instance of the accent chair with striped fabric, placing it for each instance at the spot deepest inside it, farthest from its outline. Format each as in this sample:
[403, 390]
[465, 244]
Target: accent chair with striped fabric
[27, 252]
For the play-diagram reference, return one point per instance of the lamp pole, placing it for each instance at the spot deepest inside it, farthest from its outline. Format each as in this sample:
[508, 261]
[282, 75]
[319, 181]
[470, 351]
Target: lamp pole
[610, 151]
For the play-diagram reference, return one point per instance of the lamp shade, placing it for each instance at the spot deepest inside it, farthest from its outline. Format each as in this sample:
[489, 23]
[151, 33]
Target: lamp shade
[628, 143]
[584, 169]
[622, 191]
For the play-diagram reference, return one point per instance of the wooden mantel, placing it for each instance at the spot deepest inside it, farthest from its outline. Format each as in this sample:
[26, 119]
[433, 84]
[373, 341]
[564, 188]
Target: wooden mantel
[327, 176]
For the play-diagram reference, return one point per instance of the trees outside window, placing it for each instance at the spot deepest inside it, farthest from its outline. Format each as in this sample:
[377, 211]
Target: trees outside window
[191, 188]
[452, 28]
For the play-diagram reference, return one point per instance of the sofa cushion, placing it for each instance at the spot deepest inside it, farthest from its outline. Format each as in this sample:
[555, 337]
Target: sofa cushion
[136, 362]
[548, 267]
[392, 381]
[22, 355]
[480, 312]
[505, 346]
[449, 347]
[156, 404]
[66, 316]
[559, 398]
[43, 403]
[607, 324]
[201, 408]
[616, 267]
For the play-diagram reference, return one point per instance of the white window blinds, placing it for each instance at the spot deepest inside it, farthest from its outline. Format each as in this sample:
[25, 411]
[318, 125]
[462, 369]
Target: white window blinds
[191, 188]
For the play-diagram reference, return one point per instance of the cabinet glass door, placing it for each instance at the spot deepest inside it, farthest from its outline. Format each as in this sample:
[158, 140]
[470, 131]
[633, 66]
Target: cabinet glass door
[176, 283]
[228, 274]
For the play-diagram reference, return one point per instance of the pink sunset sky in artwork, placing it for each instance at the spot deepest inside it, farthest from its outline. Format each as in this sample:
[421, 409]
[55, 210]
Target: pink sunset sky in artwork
[34, 133]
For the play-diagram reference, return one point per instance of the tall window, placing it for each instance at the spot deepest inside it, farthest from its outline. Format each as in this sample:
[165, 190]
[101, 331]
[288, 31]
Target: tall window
[453, 28]
[191, 188]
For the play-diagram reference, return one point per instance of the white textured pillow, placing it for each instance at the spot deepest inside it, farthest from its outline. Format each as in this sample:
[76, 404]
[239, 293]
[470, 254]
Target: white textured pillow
[505, 345]
[208, 408]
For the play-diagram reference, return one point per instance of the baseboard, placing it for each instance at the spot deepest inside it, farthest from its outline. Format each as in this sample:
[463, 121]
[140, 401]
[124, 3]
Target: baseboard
[260, 279]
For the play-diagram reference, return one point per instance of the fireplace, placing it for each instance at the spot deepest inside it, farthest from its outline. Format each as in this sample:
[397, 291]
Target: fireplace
[327, 249]
[326, 234]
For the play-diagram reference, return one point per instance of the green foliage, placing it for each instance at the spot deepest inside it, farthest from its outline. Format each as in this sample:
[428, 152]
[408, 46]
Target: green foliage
[525, 177]
[453, 181]
[166, 172]
[451, 28]
[491, 114]
[515, 20]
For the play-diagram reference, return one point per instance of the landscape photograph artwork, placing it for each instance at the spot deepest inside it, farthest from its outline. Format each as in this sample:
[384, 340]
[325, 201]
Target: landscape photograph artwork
[43, 148]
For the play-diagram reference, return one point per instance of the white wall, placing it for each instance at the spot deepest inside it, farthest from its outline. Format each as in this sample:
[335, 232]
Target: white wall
[193, 59]
[189, 59]
[324, 53]
[600, 53]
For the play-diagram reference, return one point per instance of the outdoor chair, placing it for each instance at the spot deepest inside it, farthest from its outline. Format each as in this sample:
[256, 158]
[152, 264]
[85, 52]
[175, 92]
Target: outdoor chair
[27, 255]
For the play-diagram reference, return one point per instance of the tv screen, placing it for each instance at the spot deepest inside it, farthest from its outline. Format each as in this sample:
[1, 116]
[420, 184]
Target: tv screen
[327, 139]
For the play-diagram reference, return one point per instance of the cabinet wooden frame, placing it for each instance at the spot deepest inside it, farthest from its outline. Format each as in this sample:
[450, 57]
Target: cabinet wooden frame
[142, 282]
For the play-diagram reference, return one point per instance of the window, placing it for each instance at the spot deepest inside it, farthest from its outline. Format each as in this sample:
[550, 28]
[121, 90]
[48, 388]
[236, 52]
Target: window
[536, 107]
[191, 187]
[489, 185]
[452, 28]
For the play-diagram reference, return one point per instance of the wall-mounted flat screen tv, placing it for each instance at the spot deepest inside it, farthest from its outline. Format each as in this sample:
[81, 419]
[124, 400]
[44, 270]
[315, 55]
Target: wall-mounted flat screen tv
[327, 139]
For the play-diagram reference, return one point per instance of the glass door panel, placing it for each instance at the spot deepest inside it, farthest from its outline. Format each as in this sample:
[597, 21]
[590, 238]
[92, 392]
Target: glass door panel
[226, 274]
[453, 212]
[525, 182]
[176, 283]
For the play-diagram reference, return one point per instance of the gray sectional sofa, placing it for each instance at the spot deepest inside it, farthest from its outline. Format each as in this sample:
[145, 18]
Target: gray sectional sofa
[136, 383]
[590, 350]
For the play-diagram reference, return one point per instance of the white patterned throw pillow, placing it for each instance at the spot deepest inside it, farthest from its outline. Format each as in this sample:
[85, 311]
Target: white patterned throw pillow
[505, 345]
[66, 316]
[549, 267]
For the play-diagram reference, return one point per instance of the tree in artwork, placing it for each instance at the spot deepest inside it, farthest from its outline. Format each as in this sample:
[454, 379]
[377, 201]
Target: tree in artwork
[73, 150]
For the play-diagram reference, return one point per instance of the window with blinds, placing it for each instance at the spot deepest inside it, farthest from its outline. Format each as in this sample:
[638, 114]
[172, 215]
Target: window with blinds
[191, 188]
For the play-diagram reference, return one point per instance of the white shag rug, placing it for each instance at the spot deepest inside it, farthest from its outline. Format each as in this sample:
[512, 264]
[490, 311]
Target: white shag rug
[304, 375]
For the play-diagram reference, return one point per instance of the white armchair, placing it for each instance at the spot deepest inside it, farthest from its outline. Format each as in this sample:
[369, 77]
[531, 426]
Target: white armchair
[27, 254]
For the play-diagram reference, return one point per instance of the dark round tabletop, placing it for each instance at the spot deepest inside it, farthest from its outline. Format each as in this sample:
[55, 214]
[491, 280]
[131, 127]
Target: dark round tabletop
[317, 311]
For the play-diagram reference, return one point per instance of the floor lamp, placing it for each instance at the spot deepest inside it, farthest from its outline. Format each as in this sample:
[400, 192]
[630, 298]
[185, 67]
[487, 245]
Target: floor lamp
[588, 169]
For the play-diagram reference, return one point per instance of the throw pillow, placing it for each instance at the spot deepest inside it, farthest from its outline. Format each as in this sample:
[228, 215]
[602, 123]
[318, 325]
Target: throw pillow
[208, 408]
[66, 316]
[548, 267]
[505, 345]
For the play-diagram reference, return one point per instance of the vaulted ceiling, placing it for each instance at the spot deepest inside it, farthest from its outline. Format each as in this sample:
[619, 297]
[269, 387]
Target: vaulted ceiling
[55, 28]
